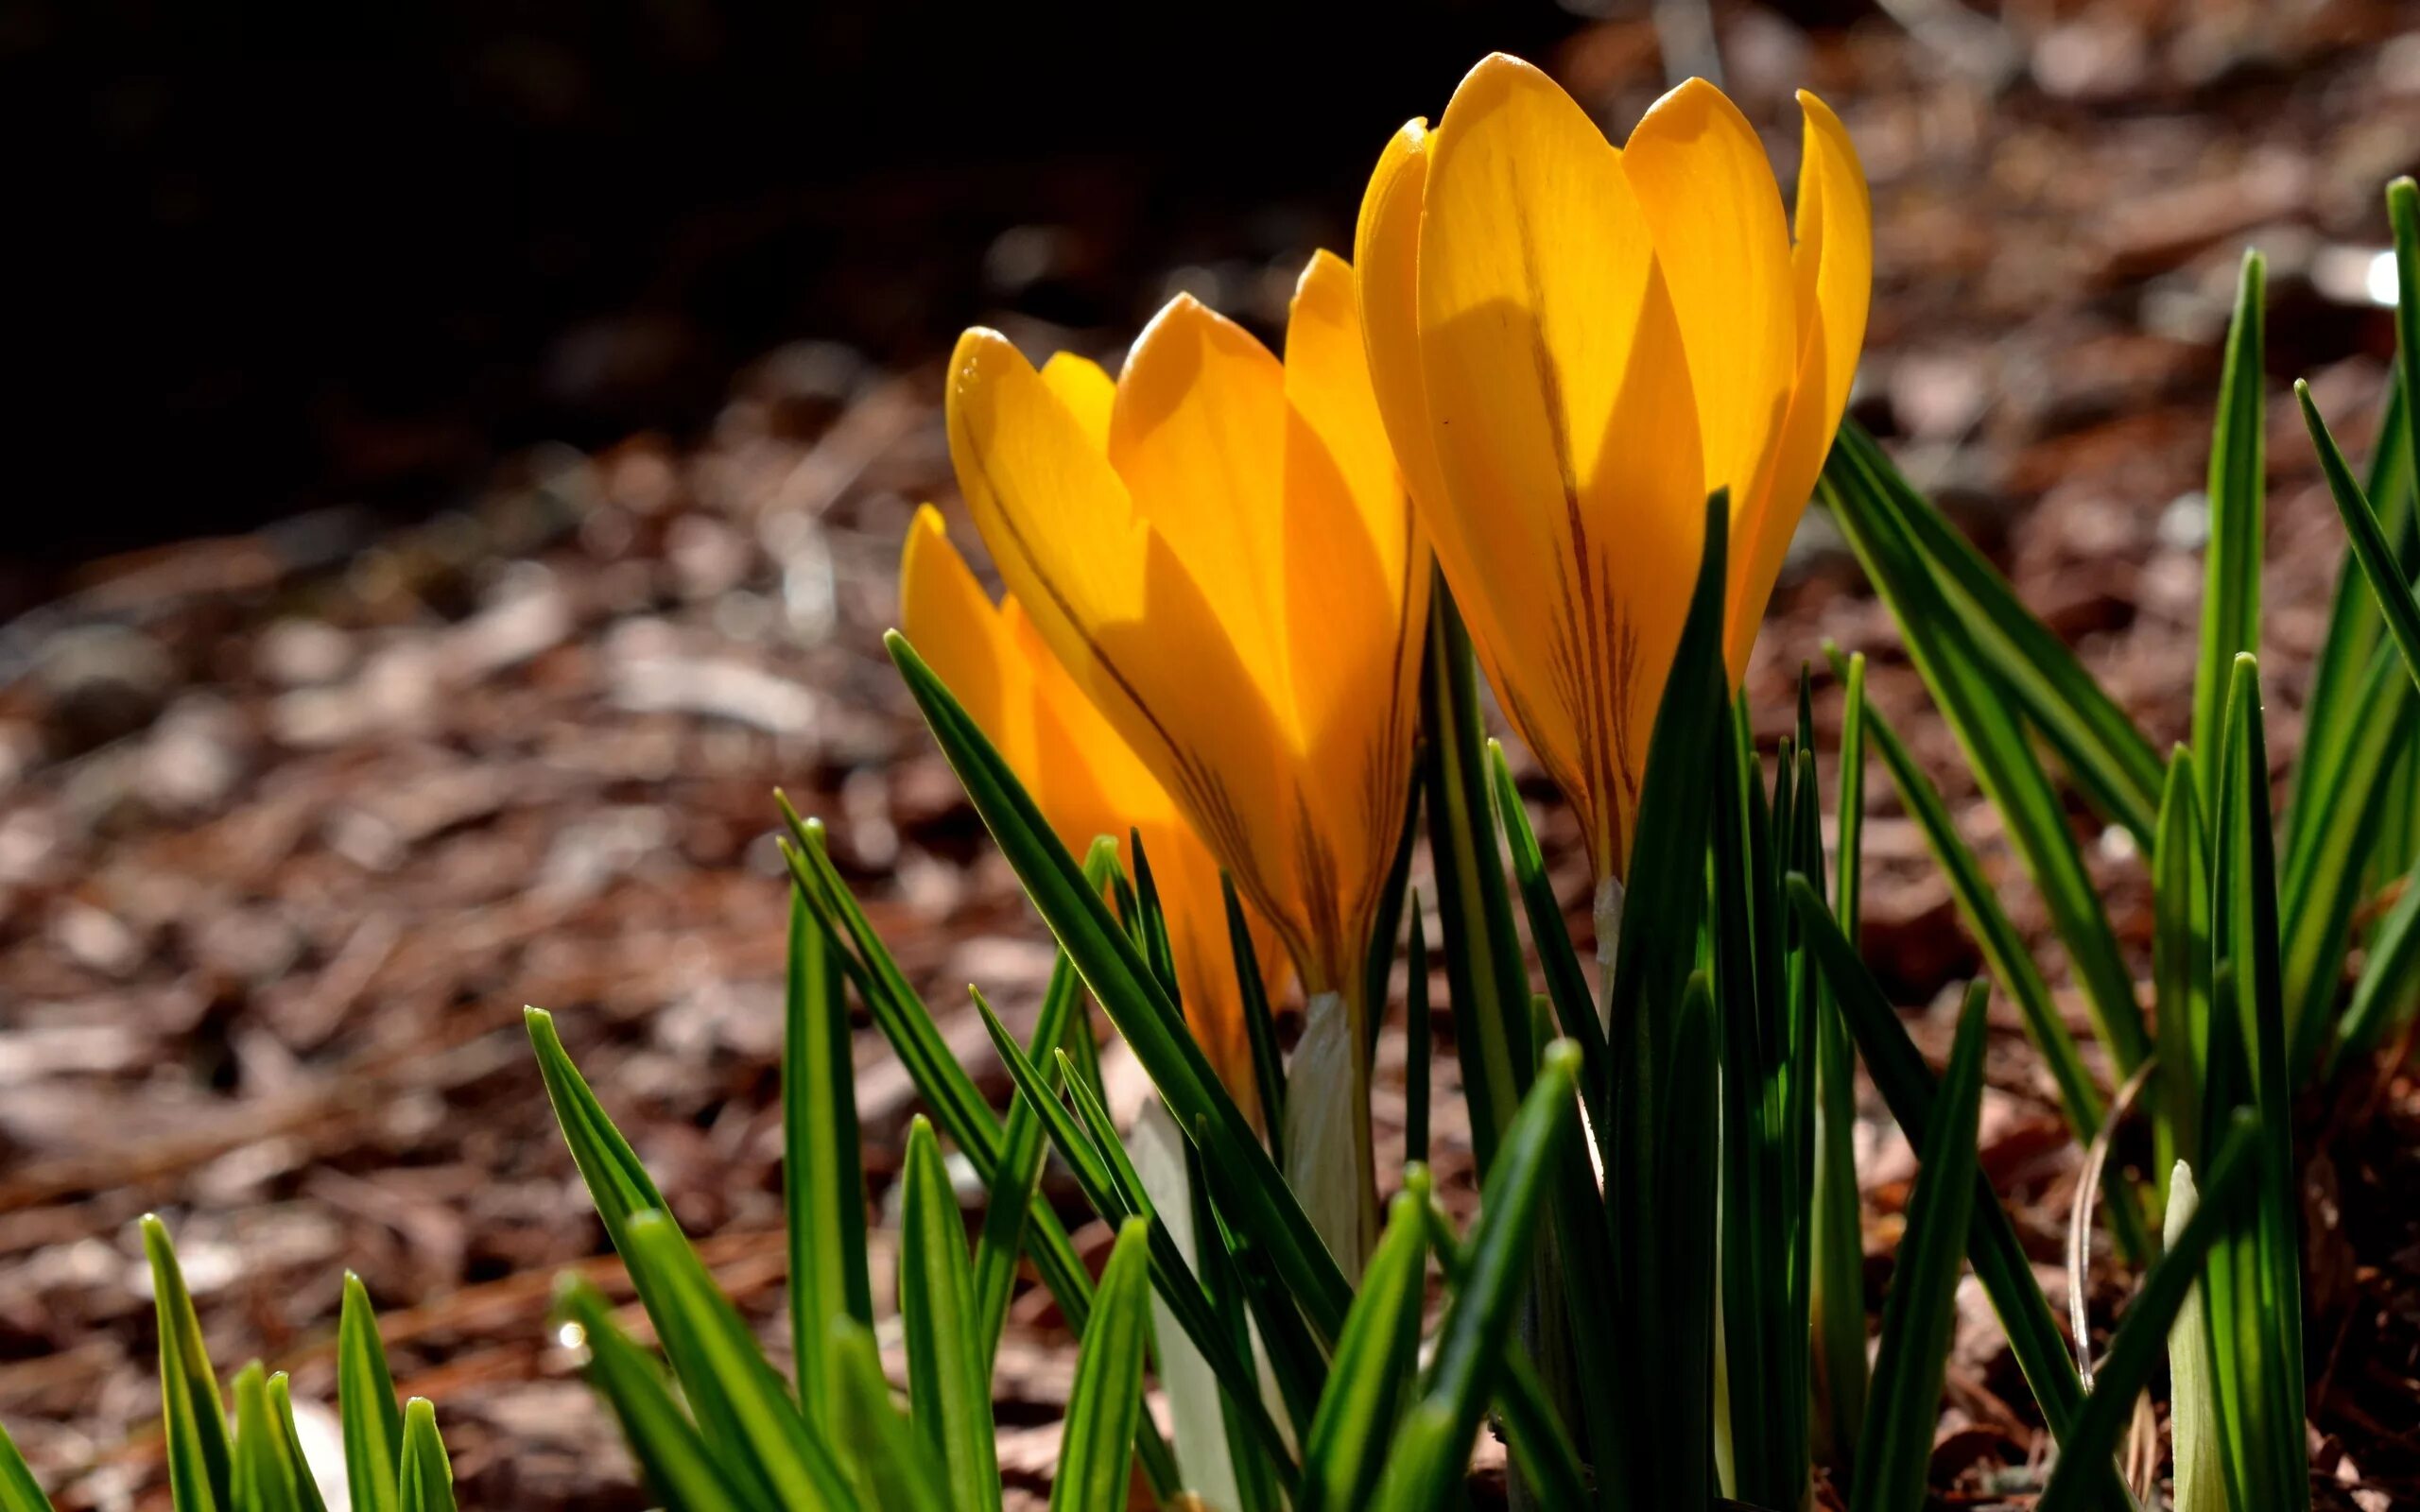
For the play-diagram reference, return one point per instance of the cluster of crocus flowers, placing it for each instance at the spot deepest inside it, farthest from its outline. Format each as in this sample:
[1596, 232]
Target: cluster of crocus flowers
[1550, 353]
[1575, 345]
[1082, 774]
[1220, 553]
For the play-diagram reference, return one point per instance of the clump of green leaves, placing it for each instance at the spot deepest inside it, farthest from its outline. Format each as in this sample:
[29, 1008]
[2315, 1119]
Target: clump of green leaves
[394, 1460]
[2254, 919]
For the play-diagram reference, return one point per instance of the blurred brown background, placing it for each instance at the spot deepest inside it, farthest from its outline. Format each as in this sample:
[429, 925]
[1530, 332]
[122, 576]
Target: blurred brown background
[462, 458]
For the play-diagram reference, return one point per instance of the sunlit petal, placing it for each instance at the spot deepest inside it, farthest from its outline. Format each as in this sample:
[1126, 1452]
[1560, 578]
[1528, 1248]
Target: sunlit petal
[1356, 567]
[1707, 191]
[1386, 258]
[949, 619]
[1086, 390]
[1121, 611]
[1199, 436]
[1566, 437]
[1085, 778]
[1832, 268]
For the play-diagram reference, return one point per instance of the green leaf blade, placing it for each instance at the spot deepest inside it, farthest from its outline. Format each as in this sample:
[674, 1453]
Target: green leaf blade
[366, 1406]
[672, 1456]
[1097, 1446]
[200, 1455]
[1921, 1305]
[426, 1484]
[1470, 1349]
[824, 1197]
[2237, 486]
[949, 1392]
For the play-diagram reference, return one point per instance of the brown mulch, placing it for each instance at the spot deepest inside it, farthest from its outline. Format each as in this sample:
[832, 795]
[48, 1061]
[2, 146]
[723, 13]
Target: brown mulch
[292, 825]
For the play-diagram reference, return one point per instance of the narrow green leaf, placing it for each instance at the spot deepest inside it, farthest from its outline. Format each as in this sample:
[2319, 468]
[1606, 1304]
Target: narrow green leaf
[1575, 1006]
[2011, 962]
[1097, 1446]
[1125, 989]
[1688, 1178]
[823, 1192]
[1541, 1451]
[947, 1387]
[1260, 1022]
[264, 1476]
[1980, 713]
[2403, 213]
[1009, 1200]
[1645, 1005]
[892, 1463]
[2370, 545]
[1416, 1048]
[619, 1184]
[1172, 1275]
[2181, 959]
[1922, 1303]
[748, 1415]
[1762, 1203]
[2100, 748]
[200, 1458]
[366, 1407]
[426, 1484]
[1462, 1379]
[2231, 579]
[19, 1490]
[1992, 1246]
[1486, 980]
[1379, 965]
[2259, 1281]
[957, 1105]
[306, 1486]
[2335, 710]
[2385, 984]
[1350, 1434]
[1837, 1283]
[2329, 854]
[672, 1456]
[2142, 1338]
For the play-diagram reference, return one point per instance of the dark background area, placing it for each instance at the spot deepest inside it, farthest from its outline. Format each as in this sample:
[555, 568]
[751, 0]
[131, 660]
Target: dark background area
[282, 260]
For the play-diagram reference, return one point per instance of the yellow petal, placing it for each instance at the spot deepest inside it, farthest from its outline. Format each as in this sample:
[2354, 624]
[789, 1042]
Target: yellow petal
[1086, 390]
[1357, 569]
[1120, 608]
[949, 619]
[1386, 258]
[1566, 437]
[1711, 205]
[1198, 435]
[1832, 265]
[1835, 252]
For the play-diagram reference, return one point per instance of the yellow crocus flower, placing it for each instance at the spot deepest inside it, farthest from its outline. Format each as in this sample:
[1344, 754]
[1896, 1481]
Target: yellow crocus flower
[1574, 345]
[1085, 778]
[1220, 551]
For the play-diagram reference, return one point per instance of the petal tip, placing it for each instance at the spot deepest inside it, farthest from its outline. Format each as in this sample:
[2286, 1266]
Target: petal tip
[1817, 112]
[1324, 266]
[979, 351]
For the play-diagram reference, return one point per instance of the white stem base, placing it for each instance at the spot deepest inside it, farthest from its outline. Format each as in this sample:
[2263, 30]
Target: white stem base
[1328, 1158]
[1157, 1150]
